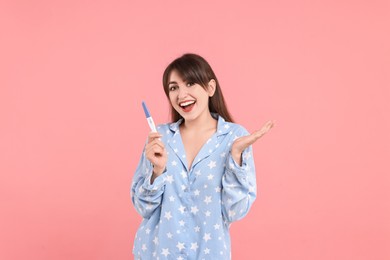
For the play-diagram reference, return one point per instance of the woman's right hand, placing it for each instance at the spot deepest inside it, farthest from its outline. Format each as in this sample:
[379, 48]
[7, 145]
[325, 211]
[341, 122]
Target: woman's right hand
[155, 152]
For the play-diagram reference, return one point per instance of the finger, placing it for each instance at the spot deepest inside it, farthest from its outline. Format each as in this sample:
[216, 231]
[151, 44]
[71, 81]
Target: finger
[159, 142]
[252, 138]
[155, 142]
[264, 129]
[157, 151]
[151, 138]
[267, 126]
[153, 135]
[154, 149]
[245, 141]
[156, 159]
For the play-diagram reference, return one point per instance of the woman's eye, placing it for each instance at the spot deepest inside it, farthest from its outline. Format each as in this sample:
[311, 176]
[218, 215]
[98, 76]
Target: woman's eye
[173, 88]
[189, 84]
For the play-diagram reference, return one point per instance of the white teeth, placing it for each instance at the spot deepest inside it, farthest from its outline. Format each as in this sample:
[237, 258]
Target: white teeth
[187, 103]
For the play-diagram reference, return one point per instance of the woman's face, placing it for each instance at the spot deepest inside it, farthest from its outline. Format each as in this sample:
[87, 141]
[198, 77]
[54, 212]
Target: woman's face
[189, 99]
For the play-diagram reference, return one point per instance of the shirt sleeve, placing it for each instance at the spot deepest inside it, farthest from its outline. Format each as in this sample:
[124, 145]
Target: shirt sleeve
[238, 185]
[146, 197]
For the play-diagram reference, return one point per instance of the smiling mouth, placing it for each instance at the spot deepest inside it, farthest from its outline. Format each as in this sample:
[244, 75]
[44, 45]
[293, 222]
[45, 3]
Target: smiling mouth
[187, 105]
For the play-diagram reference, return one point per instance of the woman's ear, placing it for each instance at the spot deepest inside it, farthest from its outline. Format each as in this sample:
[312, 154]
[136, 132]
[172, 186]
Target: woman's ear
[211, 86]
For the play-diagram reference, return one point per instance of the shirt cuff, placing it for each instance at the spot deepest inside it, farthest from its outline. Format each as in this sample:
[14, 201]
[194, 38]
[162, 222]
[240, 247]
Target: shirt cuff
[158, 184]
[239, 170]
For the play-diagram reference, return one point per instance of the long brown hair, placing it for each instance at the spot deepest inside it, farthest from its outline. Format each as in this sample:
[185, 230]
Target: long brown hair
[194, 68]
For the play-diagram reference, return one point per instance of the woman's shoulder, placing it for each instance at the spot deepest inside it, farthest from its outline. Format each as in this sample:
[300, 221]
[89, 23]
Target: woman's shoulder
[239, 129]
[232, 127]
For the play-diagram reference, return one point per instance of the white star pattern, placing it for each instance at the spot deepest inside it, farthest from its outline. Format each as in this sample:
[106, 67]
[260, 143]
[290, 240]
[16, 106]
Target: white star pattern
[207, 200]
[210, 177]
[212, 164]
[231, 166]
[174, 163]
[206, 251]
[169, 179]
[246, 155]
[165, 252]
[168, 215]
[194, 210]
[194, 246]
[206, 237]
[180, 246]
[182, 209]
[231, 213]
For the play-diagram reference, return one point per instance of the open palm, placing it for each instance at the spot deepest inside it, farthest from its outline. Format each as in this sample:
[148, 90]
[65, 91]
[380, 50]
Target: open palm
[243, 142]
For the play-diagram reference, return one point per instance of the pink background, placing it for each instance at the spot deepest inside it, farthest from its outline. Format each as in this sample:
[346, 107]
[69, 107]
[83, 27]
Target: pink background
[72, 77]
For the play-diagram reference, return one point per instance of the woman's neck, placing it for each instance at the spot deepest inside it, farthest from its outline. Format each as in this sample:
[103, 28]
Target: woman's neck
[202, 123]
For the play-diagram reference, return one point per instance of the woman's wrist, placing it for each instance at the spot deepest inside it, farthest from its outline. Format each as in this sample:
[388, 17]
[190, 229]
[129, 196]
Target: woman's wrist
[156, 172]
[237, 156]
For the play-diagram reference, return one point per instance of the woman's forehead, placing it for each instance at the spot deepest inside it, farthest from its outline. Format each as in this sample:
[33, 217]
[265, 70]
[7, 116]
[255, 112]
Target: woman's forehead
[176, 76]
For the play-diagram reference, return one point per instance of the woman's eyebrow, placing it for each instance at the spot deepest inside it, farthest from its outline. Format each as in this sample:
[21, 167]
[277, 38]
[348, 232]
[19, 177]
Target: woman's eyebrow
[172, 82]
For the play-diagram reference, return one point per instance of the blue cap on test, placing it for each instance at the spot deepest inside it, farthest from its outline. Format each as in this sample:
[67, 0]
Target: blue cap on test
[146, 110]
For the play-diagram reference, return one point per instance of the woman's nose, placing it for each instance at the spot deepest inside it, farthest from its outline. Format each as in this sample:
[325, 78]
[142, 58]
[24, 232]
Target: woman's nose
[182, 92]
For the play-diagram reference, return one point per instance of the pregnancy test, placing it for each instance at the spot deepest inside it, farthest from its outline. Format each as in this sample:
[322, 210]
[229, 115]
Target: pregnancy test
[149, 117]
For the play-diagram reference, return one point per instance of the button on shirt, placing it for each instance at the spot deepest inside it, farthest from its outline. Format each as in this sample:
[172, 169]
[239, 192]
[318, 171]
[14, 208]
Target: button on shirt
[187, 212]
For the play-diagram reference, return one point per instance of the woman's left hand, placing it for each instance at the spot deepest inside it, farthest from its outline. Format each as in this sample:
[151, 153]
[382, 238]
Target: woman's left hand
[243, 142]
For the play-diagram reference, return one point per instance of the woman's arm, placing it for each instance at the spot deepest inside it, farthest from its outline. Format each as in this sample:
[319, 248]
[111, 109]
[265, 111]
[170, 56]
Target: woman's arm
[149, 181]
[146, 195]
[239, 180]
[238, 186]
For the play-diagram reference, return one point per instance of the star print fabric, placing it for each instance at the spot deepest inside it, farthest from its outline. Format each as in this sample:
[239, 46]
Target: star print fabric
[187, 212]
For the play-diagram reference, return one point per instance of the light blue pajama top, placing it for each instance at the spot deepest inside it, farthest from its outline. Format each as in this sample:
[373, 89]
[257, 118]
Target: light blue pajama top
[187, 212]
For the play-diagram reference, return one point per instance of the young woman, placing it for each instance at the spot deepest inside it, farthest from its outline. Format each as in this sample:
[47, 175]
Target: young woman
[196, 175]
